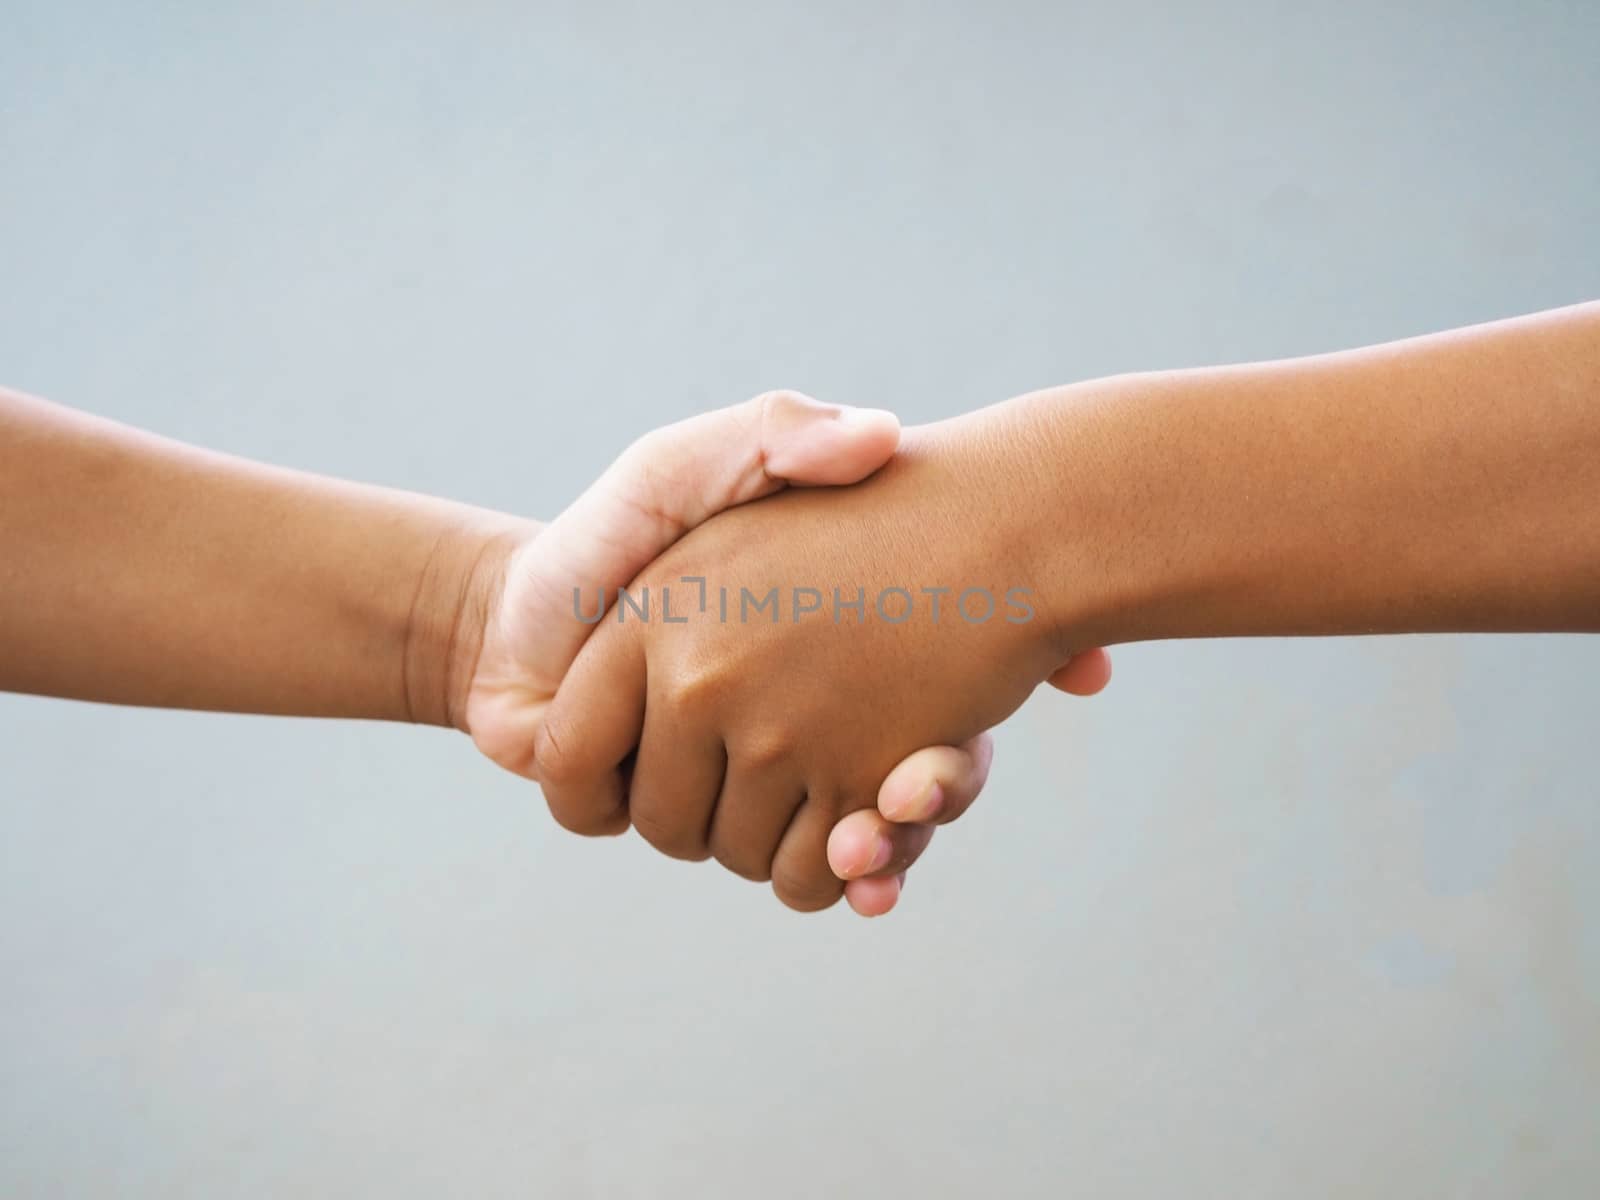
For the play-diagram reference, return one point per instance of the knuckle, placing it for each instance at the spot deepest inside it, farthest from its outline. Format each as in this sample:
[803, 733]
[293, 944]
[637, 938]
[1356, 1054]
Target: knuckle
[765, 404]
[768, 411]
[669, 836]
[647, 445]
[694, 691]
[771, 403]
[554, 757]
[767, 749]
[660, 448]
[805, 890]
[648, 476]
[743, 863]
[583, 822]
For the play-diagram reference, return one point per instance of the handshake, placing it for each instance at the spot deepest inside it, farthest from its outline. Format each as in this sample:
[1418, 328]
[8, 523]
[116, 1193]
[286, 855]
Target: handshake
[776, 635]
[722, 646]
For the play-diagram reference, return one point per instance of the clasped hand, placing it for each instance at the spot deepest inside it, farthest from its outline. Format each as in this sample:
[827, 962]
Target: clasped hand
[756, 734]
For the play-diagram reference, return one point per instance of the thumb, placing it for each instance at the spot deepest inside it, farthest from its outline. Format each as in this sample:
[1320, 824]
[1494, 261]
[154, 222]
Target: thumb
[678, 476]
[689, 472]
[1084, 674]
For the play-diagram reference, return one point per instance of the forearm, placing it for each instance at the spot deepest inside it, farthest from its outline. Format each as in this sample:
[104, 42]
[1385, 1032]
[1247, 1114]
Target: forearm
[1444, 483]
[138, 570]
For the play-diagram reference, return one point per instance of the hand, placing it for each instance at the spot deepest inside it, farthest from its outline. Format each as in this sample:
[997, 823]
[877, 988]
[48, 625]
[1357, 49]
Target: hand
[931, 788]
[664, 485]
[749, 738]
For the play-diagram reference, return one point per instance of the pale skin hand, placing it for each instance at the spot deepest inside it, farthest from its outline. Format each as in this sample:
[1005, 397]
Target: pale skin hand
[137, 570]
[1448, 483]
[664, 485]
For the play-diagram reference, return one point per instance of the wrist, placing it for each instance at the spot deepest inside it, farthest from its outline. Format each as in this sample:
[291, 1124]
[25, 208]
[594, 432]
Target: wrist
[1004, 465]
[457, 587]
[1103, 524]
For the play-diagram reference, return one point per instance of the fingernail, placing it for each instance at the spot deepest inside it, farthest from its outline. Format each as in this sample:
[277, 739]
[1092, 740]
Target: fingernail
[882, 848]
[850, 415]
[929, 803]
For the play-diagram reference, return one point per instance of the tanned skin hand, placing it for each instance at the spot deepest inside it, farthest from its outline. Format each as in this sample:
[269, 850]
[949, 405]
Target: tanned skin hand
[1447, 483]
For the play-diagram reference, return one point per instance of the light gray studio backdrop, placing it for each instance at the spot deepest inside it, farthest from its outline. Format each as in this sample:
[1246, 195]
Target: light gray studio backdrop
[1266, 919]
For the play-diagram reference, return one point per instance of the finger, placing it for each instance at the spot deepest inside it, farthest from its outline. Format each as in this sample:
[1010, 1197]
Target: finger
[808, 442]
[938, 784]
[680, 475]
[696, 468]
[1084, 674]
[757, 804]
[874, 897]
[677, 775]
[865, 844]
[591, 726]
[676, 477]
[801, 877]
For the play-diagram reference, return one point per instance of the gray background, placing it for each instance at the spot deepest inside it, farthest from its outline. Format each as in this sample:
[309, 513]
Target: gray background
[1319, 919]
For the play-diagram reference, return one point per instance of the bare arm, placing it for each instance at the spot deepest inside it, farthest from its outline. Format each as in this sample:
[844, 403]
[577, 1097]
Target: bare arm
[138, 570]
[1444, 483]
[1449, 482]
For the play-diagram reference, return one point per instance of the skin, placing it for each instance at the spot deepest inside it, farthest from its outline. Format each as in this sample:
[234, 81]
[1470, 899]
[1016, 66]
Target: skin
[1446, 483]
[137, 570]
